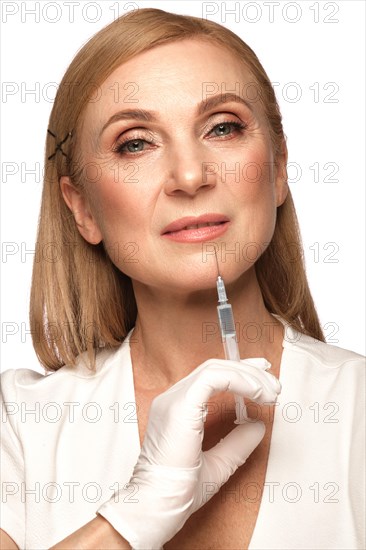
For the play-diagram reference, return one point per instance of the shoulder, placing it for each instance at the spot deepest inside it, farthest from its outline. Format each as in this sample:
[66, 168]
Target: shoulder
[21, 381]
[317, 372]
[323, 371]
[321, 354]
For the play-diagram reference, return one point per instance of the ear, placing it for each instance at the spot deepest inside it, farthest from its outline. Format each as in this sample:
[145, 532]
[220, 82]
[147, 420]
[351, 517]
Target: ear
[281, 185]
[79, 206]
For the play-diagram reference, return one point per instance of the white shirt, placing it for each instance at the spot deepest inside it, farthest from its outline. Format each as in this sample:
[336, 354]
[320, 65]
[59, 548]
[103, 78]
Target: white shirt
[70, 439]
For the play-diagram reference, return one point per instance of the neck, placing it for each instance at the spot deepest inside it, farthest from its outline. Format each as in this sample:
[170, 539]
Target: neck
[174, 333]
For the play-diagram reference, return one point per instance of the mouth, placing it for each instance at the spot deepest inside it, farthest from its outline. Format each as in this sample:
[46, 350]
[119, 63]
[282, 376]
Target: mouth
[190, 223]
[196, 232]
[196, 226]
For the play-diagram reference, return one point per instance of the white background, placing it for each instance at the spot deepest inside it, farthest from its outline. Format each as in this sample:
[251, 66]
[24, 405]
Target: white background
[313, 50]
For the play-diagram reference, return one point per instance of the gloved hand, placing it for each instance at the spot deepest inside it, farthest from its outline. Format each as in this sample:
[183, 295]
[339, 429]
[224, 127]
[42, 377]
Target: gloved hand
[172, 468]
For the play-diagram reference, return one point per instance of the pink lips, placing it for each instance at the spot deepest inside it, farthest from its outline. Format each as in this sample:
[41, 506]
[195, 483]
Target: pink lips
[181, 231]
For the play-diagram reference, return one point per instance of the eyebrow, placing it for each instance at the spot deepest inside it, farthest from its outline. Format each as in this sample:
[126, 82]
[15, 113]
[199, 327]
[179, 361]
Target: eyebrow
[151, 116]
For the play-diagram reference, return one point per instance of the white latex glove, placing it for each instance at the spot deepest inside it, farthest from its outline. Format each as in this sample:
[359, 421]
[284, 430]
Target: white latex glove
[172, 470]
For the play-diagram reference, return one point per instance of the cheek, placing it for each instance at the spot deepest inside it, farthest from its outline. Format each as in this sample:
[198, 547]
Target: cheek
[122, 229]
[119, 212]
[116, 193]
[256, 177]
[256, 196]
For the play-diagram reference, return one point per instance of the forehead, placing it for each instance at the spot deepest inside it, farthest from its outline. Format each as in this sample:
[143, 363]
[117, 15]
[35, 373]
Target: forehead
[175, 75]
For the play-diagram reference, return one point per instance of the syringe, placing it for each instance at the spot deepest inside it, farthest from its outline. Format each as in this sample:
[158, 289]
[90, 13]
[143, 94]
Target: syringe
[228, 333]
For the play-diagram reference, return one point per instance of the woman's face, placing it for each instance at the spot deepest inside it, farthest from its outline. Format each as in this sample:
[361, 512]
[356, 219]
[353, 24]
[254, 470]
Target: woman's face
[173, 134]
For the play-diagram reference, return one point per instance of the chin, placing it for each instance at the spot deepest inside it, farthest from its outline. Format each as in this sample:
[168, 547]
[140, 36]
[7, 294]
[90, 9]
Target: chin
[230, 272]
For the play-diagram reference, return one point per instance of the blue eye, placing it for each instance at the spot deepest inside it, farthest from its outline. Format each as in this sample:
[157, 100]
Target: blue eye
[225, 128]
[130, 146]
[134, 146]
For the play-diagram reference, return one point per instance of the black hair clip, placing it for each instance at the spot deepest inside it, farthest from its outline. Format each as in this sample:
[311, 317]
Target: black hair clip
[59, 144]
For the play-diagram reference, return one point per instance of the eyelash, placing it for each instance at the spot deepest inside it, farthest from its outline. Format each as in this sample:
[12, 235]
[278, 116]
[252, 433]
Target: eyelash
[238, 126]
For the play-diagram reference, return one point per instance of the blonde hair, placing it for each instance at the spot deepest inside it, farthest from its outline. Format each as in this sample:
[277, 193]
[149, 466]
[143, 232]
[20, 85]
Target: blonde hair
[79, 300]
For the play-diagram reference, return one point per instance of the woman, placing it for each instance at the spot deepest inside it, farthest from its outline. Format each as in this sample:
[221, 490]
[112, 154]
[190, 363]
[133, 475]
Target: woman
[151, 167]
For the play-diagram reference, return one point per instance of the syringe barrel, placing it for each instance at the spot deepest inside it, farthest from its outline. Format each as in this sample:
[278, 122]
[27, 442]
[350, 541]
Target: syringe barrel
[226, 318]
[231, 348]
[228, 333]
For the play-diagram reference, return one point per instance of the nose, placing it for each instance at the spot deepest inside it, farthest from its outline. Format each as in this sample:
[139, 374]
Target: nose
[188, 172]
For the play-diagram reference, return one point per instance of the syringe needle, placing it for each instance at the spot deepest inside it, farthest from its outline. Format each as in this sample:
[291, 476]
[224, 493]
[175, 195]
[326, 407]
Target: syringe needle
[217, 263]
